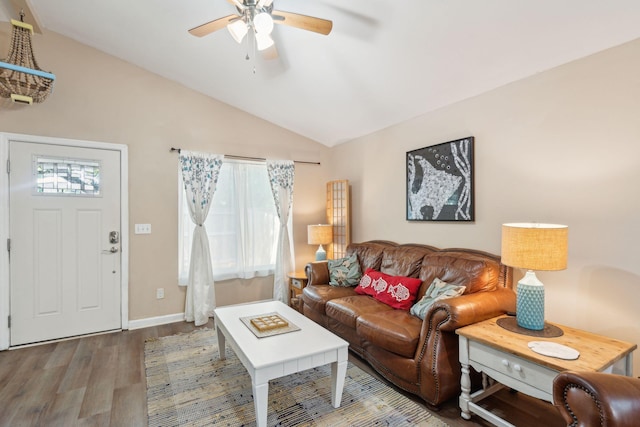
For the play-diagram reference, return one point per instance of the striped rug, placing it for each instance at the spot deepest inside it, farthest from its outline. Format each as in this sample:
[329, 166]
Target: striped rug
[188, 385]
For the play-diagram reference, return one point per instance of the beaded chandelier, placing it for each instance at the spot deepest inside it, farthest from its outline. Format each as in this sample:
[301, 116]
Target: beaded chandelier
[20, 77]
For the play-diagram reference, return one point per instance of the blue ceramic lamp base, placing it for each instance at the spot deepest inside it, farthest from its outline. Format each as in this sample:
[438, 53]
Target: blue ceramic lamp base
[530, 302]
[321, 254]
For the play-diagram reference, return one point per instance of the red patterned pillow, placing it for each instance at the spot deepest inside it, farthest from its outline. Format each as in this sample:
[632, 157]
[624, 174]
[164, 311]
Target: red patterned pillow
[396, 291]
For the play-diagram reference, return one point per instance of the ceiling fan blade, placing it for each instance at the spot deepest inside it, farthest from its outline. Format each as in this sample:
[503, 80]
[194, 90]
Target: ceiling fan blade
[304, 22]
[211, 26]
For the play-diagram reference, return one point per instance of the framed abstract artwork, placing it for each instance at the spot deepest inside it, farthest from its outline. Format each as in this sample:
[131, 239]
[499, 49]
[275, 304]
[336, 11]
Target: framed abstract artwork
[440, 182]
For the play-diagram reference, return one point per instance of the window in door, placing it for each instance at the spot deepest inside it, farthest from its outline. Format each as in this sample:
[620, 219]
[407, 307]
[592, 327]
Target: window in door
[70, 177]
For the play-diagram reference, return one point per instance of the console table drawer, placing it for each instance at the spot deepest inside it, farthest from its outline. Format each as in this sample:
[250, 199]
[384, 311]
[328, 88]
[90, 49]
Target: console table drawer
[511, 370]
[297, 283]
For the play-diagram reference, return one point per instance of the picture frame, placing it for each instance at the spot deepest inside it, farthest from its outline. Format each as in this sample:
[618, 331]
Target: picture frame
[440, 183]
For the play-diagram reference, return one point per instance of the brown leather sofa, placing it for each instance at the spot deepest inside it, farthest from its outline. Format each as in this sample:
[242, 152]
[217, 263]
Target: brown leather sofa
[590, 399]
[418, 356]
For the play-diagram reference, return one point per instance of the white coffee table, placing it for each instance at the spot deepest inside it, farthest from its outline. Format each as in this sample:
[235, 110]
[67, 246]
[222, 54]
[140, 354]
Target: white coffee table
[279, 355]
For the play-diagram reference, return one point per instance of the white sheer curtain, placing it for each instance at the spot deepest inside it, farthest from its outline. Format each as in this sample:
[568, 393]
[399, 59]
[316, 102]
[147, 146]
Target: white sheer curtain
[255, 221]
[199, 174]
[281, 174]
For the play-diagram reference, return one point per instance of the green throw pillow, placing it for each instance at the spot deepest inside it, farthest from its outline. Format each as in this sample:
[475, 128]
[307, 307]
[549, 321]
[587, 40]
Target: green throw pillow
[344, 271]
[437, 290]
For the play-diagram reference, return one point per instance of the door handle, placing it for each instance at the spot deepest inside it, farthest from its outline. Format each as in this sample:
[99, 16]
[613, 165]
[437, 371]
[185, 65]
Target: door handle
[113, 250]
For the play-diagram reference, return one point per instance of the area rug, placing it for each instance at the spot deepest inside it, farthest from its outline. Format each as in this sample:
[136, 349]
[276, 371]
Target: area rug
[188, 385]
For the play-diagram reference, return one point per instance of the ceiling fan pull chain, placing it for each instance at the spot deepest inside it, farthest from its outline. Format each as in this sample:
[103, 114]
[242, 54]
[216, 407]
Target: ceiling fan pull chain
[251, 45]
[248, 48]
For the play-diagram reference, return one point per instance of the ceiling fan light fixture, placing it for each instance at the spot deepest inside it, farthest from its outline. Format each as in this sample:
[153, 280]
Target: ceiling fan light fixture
[263, 23]
[238, 29]
[263, 3]
[263, 41]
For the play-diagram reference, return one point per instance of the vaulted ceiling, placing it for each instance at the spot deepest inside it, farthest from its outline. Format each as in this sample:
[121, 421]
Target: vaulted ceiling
[384, 62]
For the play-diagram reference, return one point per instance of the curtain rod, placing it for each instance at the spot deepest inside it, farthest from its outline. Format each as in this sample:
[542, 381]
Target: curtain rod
[259, 159]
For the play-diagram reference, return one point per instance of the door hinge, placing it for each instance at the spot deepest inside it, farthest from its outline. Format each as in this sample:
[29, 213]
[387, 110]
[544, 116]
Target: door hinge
[8, 166]
[9, 321]
[8, 245]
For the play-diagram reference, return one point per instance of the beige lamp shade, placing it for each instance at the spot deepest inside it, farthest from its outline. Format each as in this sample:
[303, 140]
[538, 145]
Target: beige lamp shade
[535, 246]
[319, 234]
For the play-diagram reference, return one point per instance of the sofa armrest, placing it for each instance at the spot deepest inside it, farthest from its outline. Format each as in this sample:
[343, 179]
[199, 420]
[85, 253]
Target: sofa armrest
[317, 273]
[597, 399]
[473, 308]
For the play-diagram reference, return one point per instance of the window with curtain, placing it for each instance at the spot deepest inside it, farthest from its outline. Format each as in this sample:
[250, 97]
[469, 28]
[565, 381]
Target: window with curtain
[242, 224]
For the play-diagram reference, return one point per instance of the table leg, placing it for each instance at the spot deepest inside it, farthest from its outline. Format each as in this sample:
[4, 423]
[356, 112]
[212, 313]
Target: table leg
[221, 344]
[260, 402]
[338, 374]
[628, 365]
[465, 397]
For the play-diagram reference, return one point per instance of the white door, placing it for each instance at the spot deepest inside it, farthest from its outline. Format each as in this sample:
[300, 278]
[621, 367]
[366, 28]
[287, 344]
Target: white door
[65, 241]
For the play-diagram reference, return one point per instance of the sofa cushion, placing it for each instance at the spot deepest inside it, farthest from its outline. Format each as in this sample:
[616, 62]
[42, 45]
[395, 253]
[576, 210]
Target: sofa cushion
[347, 310]
[404, 260]
[476, 273]
[344, 271]
[396, 331]
[316, 296]
[369, 253]
[397, 291]
[437, 290]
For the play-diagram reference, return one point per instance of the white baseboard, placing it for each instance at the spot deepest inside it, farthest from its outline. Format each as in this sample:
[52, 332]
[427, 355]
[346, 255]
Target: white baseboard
[155, 321]
[133, 324]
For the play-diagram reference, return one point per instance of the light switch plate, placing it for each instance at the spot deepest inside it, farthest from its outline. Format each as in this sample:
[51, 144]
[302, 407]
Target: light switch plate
[143, 229]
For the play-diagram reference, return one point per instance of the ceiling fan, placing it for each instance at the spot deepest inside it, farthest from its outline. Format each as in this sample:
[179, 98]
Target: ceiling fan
[259, 16]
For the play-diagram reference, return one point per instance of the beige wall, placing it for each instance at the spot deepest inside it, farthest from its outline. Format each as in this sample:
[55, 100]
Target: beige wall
[100, 98]
[562, 147]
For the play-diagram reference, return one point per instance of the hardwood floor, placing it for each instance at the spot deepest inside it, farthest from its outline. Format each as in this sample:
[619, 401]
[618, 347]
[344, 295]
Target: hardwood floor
[100, 381]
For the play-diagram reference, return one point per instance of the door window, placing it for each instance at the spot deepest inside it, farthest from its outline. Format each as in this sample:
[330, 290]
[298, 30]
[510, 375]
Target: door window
[69, 177]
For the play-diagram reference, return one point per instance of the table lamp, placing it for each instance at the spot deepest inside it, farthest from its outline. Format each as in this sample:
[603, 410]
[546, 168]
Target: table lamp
[534, 247]
[320, 234]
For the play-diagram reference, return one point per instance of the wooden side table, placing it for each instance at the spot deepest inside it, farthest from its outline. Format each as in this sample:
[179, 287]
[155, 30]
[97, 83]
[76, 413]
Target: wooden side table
[297, 282]
[505, 360]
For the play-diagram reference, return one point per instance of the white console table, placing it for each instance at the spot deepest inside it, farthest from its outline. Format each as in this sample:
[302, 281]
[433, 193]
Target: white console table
[505, 360]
